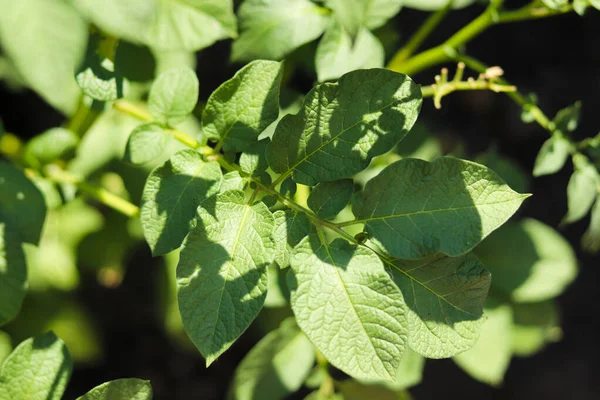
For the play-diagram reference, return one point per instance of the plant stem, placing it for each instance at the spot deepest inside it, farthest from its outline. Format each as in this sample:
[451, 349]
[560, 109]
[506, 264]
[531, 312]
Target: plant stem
[422, 33]
[491, 16]
[83, 119]
[107, 198]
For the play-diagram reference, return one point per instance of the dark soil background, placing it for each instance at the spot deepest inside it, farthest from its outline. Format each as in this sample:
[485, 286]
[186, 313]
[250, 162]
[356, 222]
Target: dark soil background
[558, 58]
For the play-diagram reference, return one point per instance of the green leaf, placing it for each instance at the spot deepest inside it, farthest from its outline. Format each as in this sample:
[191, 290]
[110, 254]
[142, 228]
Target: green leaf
[146, 142]
[343, 125]
[288, 187]
[348, 306]
[552, 156]
[445, 298]
[278, 294]
[38, 369]
[508, 169]
[582, 190]
[327, 199]
[45, 40]
[222, 271]
[535, 324]
[135, 62]
[414, 208]
[97, 77]
[539, 265]
[555, 4]
[21, 203]
[354, 14]
[172, 193]
[232, 181]
[290, 228]
[338, 54]
[432, 5]
[164, 24]
[120, 389]
[173, 95]
[276, 366]
[567, 119]
[50, 146]
[488, 360]
[271, 30]
[242, 107]
[5, 346]
[591, 238]
[13, 273]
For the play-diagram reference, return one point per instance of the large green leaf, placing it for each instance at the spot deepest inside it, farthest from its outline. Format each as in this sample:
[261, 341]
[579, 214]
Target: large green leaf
[241, 108]
[354, 14]
[343, 125]
[45, 40]
[445, 298]
[21, 203]
[276, 366]
[327, 199]
[348, 306]
[164, 24]
[338, 54]
[583, 188]
[120, 389]
[552, 156]
[414, 208]
[529, 260]
[488, 360]
[173, 95]
[13, 273]
[38, 369]
[171, 196]
[272, 29]
[222, 272]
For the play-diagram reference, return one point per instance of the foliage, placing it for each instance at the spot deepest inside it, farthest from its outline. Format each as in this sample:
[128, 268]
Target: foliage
[337, 206]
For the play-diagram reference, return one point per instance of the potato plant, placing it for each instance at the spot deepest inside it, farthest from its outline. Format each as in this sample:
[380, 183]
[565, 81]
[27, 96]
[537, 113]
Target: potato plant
[384, 252]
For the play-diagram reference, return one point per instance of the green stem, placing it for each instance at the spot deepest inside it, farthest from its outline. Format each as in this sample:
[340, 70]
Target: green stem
[422, 33]
[113, 201]
[83, 119]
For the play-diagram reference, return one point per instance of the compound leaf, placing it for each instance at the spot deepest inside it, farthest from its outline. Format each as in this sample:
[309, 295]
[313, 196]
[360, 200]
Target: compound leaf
[342, 126]
[552, 156]
[146, 142]
[488, 360]
[290, 228]
[172, 194]
[120, 389]
[415, 208]
[222, 271]
[173, 95]
[241, 108]
[45, 40]
[276, 366]
[539, 265]
[327, 199]
[445, 298]
[38, 369]
[348, 306]
[271, 30]
[21, 203]
[13, 273]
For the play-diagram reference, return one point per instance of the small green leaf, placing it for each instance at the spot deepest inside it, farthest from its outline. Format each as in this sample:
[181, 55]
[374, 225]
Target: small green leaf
[276, 366]
[591, 238]
[21, 203]
[241, 108]
[338, 54]
[445, 298]
[134, 62]
[253, 160]
[232, 181]
[38, 369]
[555, 4]
[354, 14]
[567, 119]
[582, 190]
[50, 146]
[290, 228]
[97, 77]
[343, 125]
[539, 265]
[120, 389]
[488, 360]
[327, 199]
[146, 143]
[172, 193]
[173, 95]
[288, 188]
[13, 273]
[552, 156]
[271, 30]
[222, 271]
[414, 208]
[535, 325]
[45, 40]
[348, 306]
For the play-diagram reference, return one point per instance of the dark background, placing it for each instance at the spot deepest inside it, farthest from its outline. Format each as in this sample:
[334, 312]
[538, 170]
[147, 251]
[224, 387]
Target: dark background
[557, 58]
